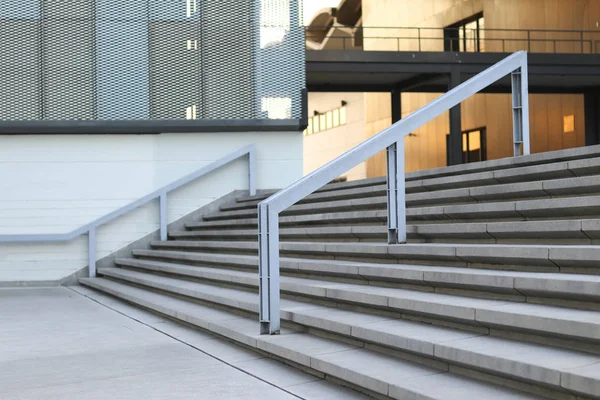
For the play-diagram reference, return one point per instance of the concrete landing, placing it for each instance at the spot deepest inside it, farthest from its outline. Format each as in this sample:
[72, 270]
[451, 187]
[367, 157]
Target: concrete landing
[75, 343]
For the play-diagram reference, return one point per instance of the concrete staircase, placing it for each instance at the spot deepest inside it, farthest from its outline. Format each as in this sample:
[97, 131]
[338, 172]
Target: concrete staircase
[495, 297]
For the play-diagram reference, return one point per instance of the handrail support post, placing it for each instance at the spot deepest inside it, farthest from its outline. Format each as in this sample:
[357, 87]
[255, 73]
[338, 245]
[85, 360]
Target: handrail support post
[268, 254]
[252, 172]
[520, 107]
[92, 252]
[396, 193]
[163, 216]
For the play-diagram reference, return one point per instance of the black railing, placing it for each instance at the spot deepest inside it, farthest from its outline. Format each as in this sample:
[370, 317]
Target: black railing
[456, 39]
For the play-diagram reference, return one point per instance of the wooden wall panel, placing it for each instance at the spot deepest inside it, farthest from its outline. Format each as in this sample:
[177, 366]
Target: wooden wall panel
[428, 148]
[538, 114]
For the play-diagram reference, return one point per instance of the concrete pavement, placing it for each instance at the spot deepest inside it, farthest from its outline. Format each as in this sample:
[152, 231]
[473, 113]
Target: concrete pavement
[75, 343]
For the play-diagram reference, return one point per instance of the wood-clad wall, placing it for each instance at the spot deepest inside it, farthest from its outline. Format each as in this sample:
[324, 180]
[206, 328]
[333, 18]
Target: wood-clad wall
[427, 149]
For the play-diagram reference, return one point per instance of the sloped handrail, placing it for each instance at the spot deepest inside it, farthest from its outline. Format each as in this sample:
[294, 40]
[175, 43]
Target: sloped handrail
[161, 193]
[391, 139]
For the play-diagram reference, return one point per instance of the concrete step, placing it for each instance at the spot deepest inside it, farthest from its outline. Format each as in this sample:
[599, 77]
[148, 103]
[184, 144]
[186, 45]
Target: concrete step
[512, 191]
[585, 206]
[332, 187]
[571, 326]
[333, 233]
[579, 153]
[372, 203]
[559, 231]
[352, 217]
[539, 258]
[360, 367]
[530, 173]
[520, 286]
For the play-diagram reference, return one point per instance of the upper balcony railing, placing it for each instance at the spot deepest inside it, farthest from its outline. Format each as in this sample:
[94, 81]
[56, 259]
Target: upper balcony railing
[457, 40]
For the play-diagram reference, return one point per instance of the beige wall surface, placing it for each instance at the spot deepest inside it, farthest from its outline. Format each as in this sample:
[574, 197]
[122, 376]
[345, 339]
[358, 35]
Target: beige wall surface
[322, 147]
[427, 148]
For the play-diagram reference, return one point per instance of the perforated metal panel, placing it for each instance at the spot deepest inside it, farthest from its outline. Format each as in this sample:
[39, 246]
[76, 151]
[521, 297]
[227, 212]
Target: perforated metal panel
[111, 60]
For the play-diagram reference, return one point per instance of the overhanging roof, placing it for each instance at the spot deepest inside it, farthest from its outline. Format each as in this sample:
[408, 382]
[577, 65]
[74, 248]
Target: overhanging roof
[379, 71]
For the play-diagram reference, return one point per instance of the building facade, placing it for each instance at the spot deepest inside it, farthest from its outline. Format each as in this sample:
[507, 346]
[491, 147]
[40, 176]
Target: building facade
[103, 102]
[557, 120]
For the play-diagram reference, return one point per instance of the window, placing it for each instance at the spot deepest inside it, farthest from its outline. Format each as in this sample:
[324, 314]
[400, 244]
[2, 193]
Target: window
[473, 146]
[192, 44]
[343, 116]
[466, 35]
[336, 117]
[191, 112]
[324, 121]
[190, 8]
[277, 107]
[568, 124]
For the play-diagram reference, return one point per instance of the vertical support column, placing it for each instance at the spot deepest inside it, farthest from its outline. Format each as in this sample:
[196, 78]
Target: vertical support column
[396, 105]
[525, 107]
[392, 194]
[455, 142]
[268, 270]
[520, 105]
[396, 193]
[591, 106]
[163, 216]
[92, 252]
[252, 172]
[517, 112]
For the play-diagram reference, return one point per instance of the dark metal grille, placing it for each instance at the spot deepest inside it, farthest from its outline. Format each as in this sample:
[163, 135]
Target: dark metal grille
[110, 60]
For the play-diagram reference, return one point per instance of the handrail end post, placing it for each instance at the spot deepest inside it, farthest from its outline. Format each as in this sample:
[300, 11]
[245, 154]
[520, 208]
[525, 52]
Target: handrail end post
[268, 256]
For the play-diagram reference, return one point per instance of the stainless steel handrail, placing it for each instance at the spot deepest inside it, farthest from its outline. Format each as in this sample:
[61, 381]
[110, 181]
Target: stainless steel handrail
[90, 229]
[391, 139]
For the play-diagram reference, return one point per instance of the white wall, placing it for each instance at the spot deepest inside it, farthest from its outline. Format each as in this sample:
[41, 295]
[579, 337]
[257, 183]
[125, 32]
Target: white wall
[56, 183]
[322, 147]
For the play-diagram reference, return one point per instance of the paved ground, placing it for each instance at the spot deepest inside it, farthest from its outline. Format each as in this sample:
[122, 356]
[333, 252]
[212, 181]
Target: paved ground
[74, 343]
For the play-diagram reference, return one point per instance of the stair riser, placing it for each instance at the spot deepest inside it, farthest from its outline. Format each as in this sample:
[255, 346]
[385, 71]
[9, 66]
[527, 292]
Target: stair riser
[272, 350]
[536, 259]
[366, 337]
[490, 287]
[338, 297]
[566, 237]
[513, 192]
[531, 210]
[376, 191]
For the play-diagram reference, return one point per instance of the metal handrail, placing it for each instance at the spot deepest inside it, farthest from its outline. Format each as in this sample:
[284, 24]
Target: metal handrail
[90, 229]
[583, 38]
[391, 139]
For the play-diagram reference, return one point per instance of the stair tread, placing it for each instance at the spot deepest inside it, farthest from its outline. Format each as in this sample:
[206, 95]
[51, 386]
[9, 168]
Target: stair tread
[582, 230]
[440, 342]
[584, 205]
[363, 268]
[329, 187]
[569, 322]
[546, 257]
[543, 158]
[379, 372]
[541, 189]
[315, 197]
[489, 299]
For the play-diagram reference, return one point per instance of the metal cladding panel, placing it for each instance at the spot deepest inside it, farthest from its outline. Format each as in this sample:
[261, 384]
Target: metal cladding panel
[112, 60]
